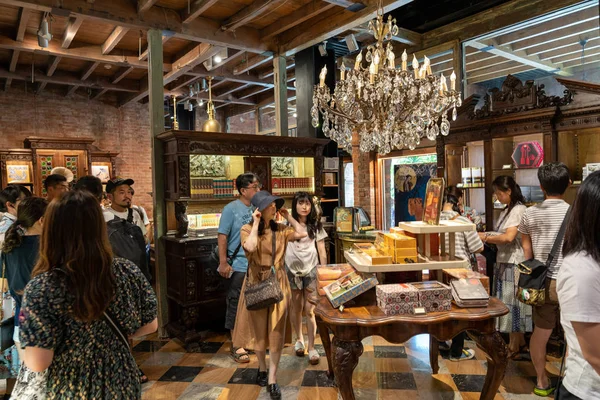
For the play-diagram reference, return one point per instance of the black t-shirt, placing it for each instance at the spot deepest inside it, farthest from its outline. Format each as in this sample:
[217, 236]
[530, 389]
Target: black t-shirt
[19, 264]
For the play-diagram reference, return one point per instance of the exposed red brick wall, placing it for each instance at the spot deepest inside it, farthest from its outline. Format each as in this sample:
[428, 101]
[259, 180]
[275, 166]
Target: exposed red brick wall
[364, 180]
[124, 130]
[242, 123]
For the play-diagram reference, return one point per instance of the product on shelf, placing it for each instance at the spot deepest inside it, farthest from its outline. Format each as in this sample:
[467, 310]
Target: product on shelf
[528, 154]
[348, 287]
[374, 255]
[477, 176]
[329, 178]
[463, 273]
[434, 296]
[469, 293]
[402, 248]
[467, 179]
[397, 299]
[289, 186]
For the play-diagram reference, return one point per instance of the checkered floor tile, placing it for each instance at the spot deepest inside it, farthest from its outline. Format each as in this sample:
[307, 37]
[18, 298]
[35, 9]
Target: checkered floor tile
[385, 371]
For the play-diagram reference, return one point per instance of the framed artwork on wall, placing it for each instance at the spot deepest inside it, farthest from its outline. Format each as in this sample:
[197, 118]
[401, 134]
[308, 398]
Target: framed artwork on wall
[18, 173]
[102, 170]
[433, 201]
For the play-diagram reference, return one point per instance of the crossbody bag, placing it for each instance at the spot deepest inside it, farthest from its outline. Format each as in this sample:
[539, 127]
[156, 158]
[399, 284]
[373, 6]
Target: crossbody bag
[533, 273]
[266, 292]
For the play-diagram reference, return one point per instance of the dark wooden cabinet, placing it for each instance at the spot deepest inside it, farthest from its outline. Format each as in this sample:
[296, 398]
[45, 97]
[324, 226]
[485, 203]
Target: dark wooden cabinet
[196, 293]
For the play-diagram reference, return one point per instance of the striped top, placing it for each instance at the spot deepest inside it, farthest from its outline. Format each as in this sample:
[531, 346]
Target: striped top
[542, 223]
[467, 243]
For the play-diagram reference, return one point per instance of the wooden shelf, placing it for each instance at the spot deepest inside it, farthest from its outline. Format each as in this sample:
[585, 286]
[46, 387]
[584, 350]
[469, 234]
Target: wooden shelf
[361, 264]
[330, 186]
[419, 227]
[218, 199]
[329, 200]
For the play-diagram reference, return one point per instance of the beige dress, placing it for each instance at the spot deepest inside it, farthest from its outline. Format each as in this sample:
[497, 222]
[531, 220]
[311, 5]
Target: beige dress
[266, 328]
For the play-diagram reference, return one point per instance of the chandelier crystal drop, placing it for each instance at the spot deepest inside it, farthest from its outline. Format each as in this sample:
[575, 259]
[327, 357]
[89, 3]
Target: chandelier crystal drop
[389, 108]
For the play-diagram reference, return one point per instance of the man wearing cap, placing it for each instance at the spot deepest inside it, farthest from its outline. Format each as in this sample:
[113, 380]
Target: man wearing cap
[118, 191]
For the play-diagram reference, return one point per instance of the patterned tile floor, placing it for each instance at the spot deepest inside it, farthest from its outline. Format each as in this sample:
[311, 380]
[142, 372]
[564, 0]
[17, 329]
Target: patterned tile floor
[385, 371]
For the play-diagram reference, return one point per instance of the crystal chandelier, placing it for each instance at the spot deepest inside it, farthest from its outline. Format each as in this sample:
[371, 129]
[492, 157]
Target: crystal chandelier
[388, 107]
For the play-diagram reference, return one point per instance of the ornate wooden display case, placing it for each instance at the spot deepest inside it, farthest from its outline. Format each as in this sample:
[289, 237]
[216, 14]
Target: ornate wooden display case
[16, 167]
[192, 287]
[564, 128]
[103, 165]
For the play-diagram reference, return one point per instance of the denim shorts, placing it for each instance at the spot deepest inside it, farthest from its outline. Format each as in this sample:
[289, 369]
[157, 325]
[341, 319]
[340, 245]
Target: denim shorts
[306, 281]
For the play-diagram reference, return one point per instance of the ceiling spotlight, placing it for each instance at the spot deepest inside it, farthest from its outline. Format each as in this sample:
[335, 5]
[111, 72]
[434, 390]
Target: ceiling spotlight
[295, 115]
[200, 103]
[44, 35]
[351, 43]
[190, 106]
[323, 48]
[218, 59]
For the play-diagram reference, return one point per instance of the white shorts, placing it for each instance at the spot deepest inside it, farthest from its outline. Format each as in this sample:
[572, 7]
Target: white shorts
[16, 335]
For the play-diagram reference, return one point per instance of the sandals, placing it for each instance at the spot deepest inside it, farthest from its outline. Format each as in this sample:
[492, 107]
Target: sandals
[299, 348]
[239, 357]
[313, 357]
[543, 392]
[143, 377]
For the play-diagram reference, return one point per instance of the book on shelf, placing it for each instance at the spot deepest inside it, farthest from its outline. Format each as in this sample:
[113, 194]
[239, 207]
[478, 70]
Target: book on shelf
[290, 186]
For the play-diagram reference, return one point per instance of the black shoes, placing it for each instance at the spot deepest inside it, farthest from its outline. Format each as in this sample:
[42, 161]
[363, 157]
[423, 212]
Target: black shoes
[261, 378]
[274, 391]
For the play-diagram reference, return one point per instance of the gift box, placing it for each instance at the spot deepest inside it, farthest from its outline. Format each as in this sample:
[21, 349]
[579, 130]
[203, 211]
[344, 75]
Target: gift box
[397, 299]
[374, 255]
[349, 287]
[463, 273]
[332, 272]
[434, 296]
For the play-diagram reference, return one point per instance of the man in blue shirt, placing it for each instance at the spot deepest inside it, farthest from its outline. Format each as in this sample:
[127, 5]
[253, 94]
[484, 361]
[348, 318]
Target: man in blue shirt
[232, 259]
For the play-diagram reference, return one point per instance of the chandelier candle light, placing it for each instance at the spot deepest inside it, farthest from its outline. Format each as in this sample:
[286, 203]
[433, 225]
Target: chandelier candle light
[388, 107]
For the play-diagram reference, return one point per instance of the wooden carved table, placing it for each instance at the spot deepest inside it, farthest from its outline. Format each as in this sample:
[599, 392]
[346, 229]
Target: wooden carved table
[363, 320]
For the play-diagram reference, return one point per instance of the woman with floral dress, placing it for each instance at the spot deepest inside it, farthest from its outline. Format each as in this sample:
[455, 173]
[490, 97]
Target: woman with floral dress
[74, 285]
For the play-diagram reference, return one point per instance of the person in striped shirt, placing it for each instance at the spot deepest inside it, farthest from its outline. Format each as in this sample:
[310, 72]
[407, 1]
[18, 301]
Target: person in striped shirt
[466, 244]
[539, 228]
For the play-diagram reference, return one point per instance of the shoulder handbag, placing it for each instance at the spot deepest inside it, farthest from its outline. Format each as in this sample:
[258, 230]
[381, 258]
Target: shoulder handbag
[215, 259]
[7, 326]
[533, 273]
[266, 292]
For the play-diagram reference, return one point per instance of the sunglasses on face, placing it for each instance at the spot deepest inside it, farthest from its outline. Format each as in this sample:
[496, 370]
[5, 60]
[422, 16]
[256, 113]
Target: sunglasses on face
[255, 186]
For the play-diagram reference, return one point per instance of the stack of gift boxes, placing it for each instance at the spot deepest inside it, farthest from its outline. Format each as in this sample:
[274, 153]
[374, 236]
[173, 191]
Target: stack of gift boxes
[403, 298]
[389, 248]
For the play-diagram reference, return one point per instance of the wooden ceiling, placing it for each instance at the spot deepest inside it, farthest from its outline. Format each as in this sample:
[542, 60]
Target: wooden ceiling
[99, 46]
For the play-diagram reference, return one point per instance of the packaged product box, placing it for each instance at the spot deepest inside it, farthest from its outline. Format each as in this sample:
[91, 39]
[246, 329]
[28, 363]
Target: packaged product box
[434, 296]
[372, 254]
[400, 241]
[467, 179]
[332, 272]
[397, 299]
[405, 256]
[330, 178]
[349, 287]
[464, 273]
[476, 176]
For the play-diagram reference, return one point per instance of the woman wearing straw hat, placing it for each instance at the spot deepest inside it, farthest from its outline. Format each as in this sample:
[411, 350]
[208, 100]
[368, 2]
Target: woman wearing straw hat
[268, 323]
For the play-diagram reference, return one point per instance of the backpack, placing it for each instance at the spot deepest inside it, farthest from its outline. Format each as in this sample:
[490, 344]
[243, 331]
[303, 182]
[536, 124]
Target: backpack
[127, 241]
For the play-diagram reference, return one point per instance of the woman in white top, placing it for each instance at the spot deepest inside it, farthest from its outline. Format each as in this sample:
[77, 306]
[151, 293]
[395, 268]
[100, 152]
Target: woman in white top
[506, 275]
[301, 259]
[578, 288]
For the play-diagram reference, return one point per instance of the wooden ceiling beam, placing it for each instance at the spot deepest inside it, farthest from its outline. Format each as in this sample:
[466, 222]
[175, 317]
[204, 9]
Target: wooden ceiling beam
[574, 33]
[330, 24]
[539, 50]
[191, 59]
[340, 3]
[24, 14]
[100, 93]
[247, 14]
[113, 40]
[251, 63]
[145, 5]
[562, 21]
[574, 48]
[270, 72]
[493, 19]
[62, 78]
[233, 89]
[71, 30]
[53, 64]
[304, 13]
[89, 70]
[124, 13]
[520, 57]
[198, 7]
[408, 37]
[182, 82]
[122, 74]
[253, 92]
[12, 67]
[499, 74]
[231, 58]
[88, 53]
[586, 60]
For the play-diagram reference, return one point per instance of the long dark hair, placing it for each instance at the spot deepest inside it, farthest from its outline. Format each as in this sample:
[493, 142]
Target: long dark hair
[313, 223]
[75, 241]
[11, 194]
[452, 196]
[29, 212]
[583, 227]
[504, 183]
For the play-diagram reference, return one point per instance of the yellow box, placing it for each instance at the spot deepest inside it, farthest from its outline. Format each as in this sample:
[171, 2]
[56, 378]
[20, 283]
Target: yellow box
[401, 254]
[399, 241]
[373, 254]
[403, 260]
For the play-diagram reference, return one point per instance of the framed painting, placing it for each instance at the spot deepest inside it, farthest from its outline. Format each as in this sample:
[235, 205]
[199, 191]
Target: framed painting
[434, 196]
[102, 171]
[18, 173]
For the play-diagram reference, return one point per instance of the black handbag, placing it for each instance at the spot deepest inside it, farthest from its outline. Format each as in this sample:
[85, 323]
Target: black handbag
[266, 292]
[533, 273]
[215, 259]
[7, 326]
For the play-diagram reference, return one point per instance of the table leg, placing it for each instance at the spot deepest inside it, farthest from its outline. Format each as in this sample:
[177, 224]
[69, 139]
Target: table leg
[324, 333]
[434, 350]
[497, 352]
[346, 354]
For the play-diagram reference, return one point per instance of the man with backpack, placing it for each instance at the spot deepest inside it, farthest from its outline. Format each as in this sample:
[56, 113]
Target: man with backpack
[539, 230]
[126, 229]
